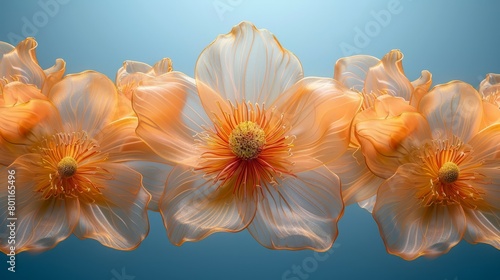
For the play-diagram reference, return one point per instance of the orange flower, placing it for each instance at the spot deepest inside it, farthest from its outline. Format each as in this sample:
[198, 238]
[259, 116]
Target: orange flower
[447, 176]
[22, 79]
[250, 141]
[376, 80]
[70, 175]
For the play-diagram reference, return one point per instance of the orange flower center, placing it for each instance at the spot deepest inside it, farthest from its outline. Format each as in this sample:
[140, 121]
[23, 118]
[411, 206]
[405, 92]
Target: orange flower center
[70, 166]
[248, 148]
[448, 173]
[449, 184]
[247, 140]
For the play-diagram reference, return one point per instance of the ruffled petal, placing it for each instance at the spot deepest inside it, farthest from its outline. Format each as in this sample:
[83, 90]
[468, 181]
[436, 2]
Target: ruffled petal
[16, 92]
[154, 176]
[20, 64]
[320, 112]
[490, 88]
[388, 77]
[247, 64]
[483, 227]
[453, 109]
[194, 207]
[53, 75]
[409, 229]
[351, 71]
[386, 144]
[421, 87]
[299, 212]
[41, 223]
[358, 182]
[170, 115]
[86, 101]
[119, 218]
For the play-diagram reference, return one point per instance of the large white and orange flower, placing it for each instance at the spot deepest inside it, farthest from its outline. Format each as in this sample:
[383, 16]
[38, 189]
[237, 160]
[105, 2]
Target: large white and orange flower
[70, 172]
[250, 137]
[375, 80]
[443, 161]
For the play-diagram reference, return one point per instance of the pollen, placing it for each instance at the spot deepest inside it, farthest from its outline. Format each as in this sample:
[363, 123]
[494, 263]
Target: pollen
[67, 167]
[448, 173]
[247, 140]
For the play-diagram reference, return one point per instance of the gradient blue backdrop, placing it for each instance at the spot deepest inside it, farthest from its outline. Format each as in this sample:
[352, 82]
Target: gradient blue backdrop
[452, 39]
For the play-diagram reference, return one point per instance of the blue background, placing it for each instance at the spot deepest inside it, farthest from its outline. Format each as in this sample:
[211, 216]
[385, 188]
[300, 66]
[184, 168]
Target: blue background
[452, 39]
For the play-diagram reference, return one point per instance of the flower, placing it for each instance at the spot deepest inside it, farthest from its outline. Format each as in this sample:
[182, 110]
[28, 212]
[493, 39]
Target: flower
[446, 176]
[70, 174]
[22, 79]
[376, 80]
[249, 138]
[490, 89]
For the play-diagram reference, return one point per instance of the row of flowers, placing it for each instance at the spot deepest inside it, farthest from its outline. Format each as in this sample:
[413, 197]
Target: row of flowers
[249, 143]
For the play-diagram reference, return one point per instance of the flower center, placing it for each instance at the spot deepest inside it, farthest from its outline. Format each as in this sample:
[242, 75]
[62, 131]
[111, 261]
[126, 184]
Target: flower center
[448, 173]
[67, 167]
[247, 140]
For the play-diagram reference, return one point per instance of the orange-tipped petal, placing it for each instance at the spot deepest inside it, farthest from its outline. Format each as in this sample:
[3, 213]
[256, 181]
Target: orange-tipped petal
[16, 92]
[351, 71]
[453, 109]
[299, 212]
[388, 77]
[386, 144]
[53, 75]
[170, 115]
[320, 112]
[86, 101]
[41, 224]
[119, 218]
[421, 87]
[194, 207]
[247, 64]
[358, 182]
[410, 229]
[20, 64]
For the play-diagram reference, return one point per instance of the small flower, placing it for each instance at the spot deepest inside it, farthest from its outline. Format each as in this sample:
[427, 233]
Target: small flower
[379, 82]
[70, 169]
[446, 176]
[250, 140]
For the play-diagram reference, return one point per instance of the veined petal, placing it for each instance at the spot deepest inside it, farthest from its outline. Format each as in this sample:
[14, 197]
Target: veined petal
[86, 101]
[486, 145]
[483, 227]
[386, 144]
[247, 64]
[358, 182]
[491, 114]
[452, 109]
[410, 229]
[490, 88]
[320, 112]
[299, 212]
[119, 219]
[351, 71]
[53, 75]
[387, 77]
[41, 223]
[170, 115]
[154, 176]
[16, 92]
[193, 207]
[5, 48]
[20, 64]
[421, 87]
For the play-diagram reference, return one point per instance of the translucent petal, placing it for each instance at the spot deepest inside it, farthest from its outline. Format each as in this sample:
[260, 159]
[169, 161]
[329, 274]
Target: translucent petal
[483, 227]
[86, 101]
[386, 144]
[421, 87]
[299, 212]
[21, 64]
[194, 207]
[351, 71]
[247, 64]
[119, 219]
[409, 229]
[41, 224]
[320, 112]
[452, 109]
[170, 115]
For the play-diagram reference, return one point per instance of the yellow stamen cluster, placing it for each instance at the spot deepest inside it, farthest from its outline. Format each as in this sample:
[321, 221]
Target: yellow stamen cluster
[247, 140]
[448, 173]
